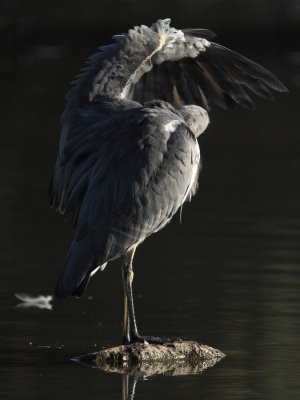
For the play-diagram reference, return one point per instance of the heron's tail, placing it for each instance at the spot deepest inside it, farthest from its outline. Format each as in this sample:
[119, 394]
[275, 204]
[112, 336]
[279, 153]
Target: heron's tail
[78, 269]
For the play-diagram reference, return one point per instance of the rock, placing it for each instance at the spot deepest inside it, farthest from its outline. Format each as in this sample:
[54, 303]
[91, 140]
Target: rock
[177, 357]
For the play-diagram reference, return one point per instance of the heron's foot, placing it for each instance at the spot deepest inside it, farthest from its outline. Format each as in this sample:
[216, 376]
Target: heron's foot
[151, 340]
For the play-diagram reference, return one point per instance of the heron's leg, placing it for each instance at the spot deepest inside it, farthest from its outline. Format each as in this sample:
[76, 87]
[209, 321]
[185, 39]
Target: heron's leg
[126, 333]
[130, 332]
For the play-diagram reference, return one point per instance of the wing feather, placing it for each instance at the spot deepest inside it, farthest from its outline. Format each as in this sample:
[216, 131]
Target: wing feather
[129, 191]
[217, 75]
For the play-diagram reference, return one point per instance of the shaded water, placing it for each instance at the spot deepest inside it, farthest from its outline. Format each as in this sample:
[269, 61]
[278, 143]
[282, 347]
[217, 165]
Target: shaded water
[228, 276]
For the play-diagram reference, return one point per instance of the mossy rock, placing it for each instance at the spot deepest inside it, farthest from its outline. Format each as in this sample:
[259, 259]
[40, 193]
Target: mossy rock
[179, 357]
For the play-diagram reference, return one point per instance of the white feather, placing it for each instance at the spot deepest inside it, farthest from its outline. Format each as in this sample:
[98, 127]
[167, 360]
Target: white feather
[42, 302]
[172, 125]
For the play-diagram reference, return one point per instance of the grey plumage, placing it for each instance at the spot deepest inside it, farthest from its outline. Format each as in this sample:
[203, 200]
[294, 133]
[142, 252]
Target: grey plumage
[128, 155]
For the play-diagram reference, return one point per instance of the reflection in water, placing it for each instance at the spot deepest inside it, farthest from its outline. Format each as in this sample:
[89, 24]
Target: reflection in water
[133, 370]
[128, 387]
[42, 302]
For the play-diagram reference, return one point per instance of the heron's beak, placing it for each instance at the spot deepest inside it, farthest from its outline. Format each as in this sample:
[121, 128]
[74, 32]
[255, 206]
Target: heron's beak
[176, 98]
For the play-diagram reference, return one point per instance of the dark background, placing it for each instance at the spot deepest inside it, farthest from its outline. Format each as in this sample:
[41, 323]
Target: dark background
[227, 276]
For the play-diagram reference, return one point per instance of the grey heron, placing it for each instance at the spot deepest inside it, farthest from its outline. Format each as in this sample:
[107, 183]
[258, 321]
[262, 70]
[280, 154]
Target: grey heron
[128, 154]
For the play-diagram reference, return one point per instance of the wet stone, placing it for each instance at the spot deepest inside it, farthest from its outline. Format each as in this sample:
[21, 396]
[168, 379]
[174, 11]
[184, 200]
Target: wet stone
[177, 357]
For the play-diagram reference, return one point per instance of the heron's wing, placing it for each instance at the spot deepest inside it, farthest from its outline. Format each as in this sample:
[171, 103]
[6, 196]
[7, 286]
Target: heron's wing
[217, 76]
[87, 137]
[139, 177]
[155, 62]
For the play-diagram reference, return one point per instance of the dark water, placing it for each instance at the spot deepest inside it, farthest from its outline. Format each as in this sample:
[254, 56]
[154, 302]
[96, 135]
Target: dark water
[227, 276]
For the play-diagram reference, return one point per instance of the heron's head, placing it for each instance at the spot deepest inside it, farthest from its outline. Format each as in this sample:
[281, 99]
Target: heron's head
[196, 118]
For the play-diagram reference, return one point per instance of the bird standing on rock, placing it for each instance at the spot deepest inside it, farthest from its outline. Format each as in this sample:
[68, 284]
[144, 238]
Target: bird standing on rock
[128, 155]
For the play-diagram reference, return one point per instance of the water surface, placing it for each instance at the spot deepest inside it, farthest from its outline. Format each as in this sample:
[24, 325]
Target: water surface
[227, 276]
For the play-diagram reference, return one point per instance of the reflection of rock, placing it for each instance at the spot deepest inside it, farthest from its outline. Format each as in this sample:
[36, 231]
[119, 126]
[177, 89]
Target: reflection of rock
[140, 360]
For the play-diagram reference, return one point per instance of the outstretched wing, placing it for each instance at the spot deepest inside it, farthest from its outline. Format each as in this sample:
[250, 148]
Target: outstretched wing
[216, 75]
[136, 184]
[161, 62]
